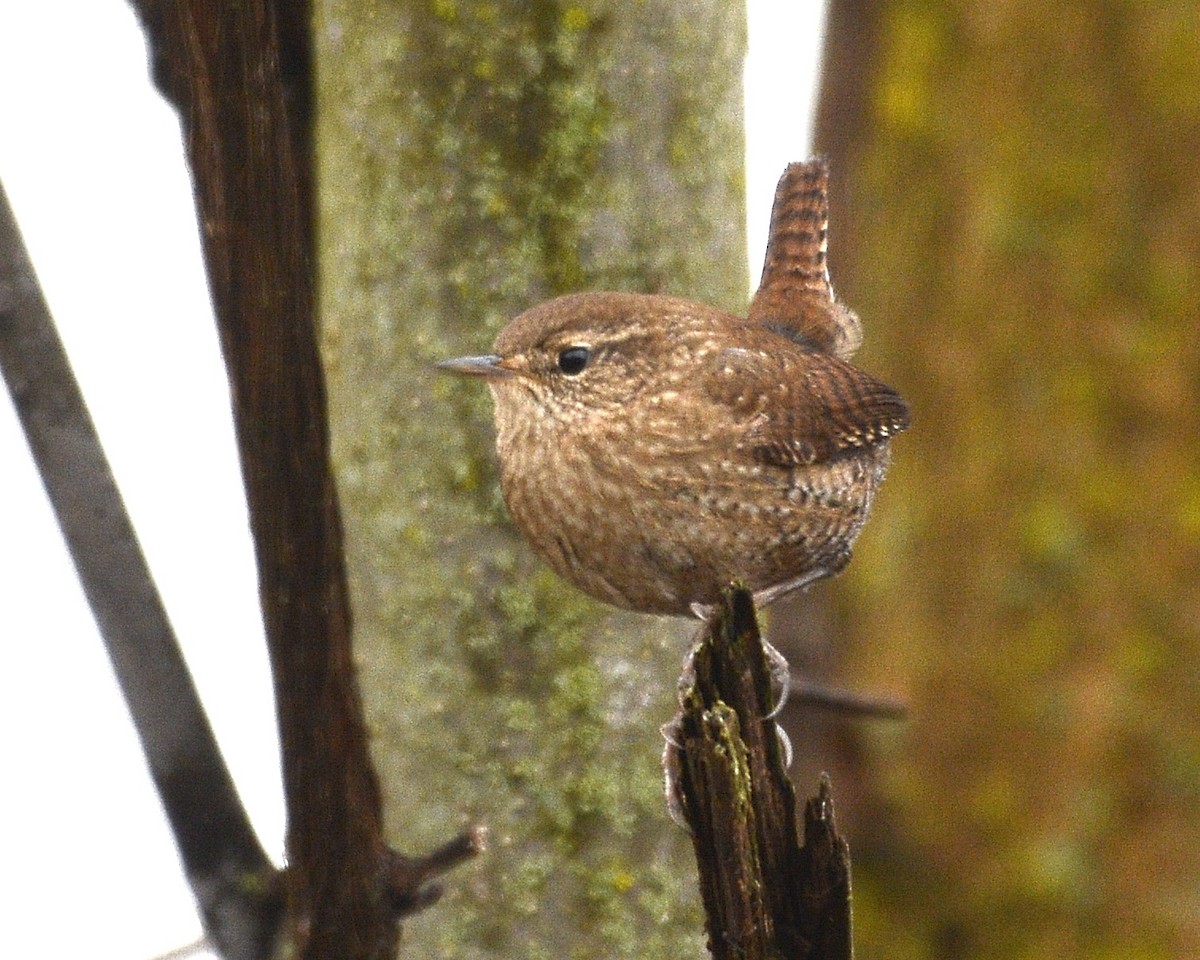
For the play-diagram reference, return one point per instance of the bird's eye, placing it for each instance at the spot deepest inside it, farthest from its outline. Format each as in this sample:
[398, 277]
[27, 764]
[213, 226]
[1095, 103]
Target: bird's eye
[572, 360]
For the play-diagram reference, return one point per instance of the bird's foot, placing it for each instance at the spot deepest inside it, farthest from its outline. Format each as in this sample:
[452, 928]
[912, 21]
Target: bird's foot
[781, 673]
[671, 764]
[781, 678]
[777, 591]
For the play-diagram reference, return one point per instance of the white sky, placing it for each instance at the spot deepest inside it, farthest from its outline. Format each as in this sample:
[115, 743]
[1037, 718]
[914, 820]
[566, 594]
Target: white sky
[91, 161]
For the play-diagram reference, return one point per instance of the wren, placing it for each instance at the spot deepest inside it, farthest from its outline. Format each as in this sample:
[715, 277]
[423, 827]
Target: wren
[653, 450]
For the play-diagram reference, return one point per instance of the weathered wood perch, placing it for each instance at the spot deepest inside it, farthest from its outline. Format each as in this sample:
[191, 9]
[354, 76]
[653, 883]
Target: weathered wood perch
[765, 894]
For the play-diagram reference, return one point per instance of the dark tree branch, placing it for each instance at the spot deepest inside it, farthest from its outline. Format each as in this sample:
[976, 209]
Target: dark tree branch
[807, 693]
[226, 866]
[765, 895]
[240, 75]
[410, 879]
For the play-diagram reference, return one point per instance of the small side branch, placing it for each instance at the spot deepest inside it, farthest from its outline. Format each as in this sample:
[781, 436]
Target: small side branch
[411, 880]
[765, 894]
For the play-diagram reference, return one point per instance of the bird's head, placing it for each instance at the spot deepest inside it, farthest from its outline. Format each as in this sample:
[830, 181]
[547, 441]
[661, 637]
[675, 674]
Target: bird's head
[591, 355]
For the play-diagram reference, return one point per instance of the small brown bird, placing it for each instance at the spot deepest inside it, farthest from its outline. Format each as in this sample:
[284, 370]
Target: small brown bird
[653, 450]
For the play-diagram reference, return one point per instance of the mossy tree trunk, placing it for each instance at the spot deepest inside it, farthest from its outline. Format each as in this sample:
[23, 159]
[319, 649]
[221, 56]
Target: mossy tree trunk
[1018, 222]
[475, 159]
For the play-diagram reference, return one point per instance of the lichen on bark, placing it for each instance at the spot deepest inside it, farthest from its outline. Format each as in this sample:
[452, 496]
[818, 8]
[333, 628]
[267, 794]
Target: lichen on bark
[473, 160]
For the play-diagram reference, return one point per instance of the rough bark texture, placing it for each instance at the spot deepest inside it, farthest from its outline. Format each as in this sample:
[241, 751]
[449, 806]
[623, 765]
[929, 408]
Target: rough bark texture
[1018, 223]
[764, 894]
[476, 159]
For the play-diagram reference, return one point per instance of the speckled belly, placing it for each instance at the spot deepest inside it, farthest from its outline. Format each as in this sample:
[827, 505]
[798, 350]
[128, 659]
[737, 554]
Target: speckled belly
[672, 539]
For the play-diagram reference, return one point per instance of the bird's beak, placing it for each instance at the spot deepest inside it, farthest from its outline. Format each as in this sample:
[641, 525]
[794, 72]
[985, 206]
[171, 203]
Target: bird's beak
[489, 367]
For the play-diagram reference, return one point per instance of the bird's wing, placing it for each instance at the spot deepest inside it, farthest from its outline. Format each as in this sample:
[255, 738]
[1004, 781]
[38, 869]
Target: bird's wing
[794, 295]
[802, 406]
